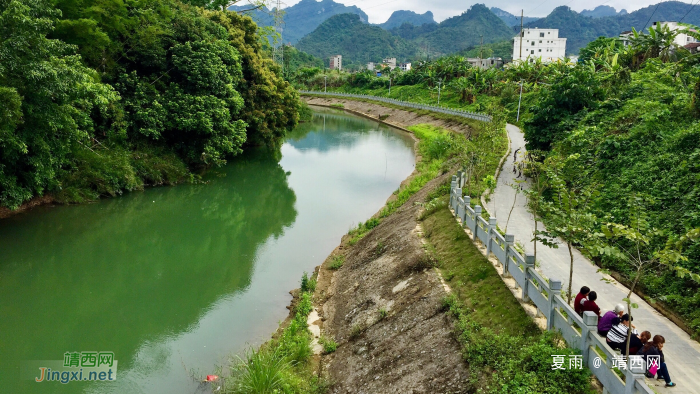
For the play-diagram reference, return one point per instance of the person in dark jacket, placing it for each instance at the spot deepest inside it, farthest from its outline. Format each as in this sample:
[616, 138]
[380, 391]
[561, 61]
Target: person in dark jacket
[580, 298]
[654, 349]
[590, 305]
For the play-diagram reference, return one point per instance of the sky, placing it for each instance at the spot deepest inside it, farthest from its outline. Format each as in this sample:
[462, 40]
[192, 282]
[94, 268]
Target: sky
[380, 10]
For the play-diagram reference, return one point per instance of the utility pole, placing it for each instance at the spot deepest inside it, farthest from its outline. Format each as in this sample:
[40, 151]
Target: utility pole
[278, 43]
[325, 78]
[481, 48]
[390, 77]
[439, 82]
[521, 36]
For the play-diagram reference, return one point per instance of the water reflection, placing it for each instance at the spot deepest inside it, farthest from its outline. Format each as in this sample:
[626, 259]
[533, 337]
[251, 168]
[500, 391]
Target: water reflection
[173, 280]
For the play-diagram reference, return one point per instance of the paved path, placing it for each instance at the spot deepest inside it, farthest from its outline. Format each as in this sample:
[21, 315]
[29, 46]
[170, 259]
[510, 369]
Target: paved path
[682, 353]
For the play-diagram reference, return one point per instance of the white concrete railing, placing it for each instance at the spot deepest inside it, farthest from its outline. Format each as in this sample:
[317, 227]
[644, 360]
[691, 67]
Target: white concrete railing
[434, 108]
[579, 332]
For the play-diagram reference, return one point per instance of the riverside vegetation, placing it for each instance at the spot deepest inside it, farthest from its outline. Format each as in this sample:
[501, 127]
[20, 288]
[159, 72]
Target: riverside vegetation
[103, 96]
[617, 131]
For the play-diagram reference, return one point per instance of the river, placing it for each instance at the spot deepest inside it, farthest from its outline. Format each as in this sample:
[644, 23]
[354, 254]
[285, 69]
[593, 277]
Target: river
[175, 280]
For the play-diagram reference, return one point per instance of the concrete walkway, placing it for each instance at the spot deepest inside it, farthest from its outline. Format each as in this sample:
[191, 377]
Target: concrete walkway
[681, 352]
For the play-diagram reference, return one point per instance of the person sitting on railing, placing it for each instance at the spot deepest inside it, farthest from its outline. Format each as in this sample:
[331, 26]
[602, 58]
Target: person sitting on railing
[606, 322]
[617, 336]
[654, 349]
[590, 305]
[581, 297]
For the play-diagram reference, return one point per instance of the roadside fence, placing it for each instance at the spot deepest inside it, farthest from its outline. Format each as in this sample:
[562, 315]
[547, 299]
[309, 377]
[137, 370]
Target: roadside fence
[578, 332]
[434, 108]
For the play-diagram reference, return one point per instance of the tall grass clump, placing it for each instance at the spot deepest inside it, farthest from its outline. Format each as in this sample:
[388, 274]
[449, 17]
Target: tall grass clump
[283, 364]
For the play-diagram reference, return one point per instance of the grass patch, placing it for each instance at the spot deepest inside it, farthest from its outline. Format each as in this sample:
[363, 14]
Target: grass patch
[336, 262]
[329, 345]
[482, 289]
[337, 105]
[283, 364]
[503, 347]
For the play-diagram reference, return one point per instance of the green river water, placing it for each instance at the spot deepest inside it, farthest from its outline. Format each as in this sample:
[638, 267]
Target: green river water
[174, 280]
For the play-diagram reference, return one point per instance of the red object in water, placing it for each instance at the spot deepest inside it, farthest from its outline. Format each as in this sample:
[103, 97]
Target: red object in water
[211, 378]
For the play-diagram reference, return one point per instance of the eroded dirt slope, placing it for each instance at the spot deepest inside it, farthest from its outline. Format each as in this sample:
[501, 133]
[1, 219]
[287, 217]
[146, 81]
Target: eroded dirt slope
[409, 350]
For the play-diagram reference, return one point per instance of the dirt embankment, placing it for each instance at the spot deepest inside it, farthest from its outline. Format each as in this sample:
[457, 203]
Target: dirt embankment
[383, 307]
[34, 202]
[391, 116]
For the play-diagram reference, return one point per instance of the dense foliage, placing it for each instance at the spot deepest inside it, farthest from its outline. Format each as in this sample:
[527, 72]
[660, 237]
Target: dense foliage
[105, 96]
[614, 134]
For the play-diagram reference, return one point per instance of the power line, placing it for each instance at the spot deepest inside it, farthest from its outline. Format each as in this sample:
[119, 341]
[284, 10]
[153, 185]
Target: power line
[651, 16]
[690, 9]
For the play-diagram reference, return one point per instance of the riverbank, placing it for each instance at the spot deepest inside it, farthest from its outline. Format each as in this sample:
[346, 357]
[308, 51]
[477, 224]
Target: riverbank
[409, 306]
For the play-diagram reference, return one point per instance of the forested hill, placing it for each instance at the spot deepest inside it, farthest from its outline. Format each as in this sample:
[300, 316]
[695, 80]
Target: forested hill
[358, 42]
[459, 32]
[400, 17]
[103, 96]
[510, 19]
[304, 17]
[580, 30]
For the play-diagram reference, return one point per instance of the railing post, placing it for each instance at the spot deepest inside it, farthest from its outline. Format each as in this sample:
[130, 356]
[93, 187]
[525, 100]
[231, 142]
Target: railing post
[590, 325]
[632, 374]
[489, 240]
[477, 215]
[510, 241]
[467, 203]
[554, 289]
[529, 263]
[458, 194]
[453, 185]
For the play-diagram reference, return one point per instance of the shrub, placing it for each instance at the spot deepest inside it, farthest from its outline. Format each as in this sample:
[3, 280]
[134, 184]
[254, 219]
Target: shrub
[336, 262]
[329, 345]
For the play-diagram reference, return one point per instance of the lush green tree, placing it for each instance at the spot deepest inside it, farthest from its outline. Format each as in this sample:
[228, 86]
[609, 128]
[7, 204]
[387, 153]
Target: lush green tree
[48, 101]
[561, 105]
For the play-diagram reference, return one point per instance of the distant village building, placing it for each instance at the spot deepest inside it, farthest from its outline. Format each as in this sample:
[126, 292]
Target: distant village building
[537, 43]
[693, 47]
[405, 66]
[370, 66]
[389, 62]
[682, 39]
[484, 64]
[336, 62]
[626, 37]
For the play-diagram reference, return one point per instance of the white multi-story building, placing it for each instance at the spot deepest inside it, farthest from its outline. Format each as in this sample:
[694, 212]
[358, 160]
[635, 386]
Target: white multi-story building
[405, 66]
[539, 43]
[370, 66]
[336, 62]
[682, 39]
